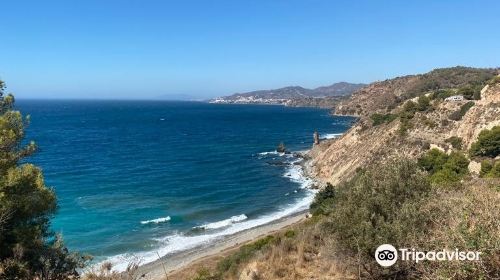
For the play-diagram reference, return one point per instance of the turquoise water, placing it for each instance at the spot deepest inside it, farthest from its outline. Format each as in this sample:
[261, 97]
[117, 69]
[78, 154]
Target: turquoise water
[141, 177]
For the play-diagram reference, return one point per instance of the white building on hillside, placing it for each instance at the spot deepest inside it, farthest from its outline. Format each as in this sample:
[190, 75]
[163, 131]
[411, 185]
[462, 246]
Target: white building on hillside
[454, 98]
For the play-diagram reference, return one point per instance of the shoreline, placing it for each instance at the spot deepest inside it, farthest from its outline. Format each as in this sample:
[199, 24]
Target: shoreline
[187, 260]
[177, 261]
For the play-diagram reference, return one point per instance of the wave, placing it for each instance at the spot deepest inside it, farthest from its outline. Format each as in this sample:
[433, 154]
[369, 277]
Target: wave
[179, 242]
[295, 173]
[156, 221]
[331, 135]
[271, 153]
[224, 223]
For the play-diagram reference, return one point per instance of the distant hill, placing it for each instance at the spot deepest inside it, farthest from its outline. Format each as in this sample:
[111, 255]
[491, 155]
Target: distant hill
[287, 94]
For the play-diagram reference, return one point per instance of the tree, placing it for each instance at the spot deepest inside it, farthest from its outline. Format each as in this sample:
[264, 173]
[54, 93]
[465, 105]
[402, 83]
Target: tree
[28, 249]
[444, 169]
[488, 143]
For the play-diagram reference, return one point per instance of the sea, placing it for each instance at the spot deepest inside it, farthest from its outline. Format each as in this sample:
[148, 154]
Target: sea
[138, 179]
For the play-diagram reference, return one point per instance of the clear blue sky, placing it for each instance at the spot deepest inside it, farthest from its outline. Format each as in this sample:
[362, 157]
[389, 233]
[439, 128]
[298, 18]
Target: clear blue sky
[144, 49]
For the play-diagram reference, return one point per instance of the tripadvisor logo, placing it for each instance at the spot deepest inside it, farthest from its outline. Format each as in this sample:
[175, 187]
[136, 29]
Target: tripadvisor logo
[386, 255]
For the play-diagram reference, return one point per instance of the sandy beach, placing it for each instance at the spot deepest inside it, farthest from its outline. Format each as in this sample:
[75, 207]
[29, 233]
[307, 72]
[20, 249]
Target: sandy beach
[171, 264]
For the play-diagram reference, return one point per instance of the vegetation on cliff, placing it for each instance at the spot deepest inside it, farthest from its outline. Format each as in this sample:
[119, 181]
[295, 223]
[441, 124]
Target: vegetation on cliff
[488, 143]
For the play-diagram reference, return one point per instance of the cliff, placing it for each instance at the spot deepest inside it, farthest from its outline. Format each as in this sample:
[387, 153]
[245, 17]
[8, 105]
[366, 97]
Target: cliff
[338, 159]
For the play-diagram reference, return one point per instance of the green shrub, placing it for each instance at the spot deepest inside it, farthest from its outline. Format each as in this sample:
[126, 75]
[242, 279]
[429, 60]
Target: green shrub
[379, 206]
[409, 110]
[444, 169]
[323, 201]
[456, 142]
[423, 103]
[495, 171]
[486, 167]
[487, 144]
[379, 119]
[442, 94]
[290, 233]
[470, 92]
[490, 169]
[457, 115]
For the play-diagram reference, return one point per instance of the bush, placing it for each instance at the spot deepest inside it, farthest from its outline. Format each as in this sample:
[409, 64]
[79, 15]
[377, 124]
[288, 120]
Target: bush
[470, 92]
[442, 94]
[409, 110]
[490, 169]
[379, 206]
[456, 142]
[379, 119]
[487, 144]
[444, 169]
[423, 103]
[457, 115]
[323, 201]
[290, 233]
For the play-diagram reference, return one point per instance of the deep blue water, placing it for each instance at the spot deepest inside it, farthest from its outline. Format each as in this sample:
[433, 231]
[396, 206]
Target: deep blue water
[199, 168]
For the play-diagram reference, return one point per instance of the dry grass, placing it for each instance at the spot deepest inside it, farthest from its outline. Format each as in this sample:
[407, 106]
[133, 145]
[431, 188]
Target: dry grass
[105, 272]
[307, 255]
[468, 219]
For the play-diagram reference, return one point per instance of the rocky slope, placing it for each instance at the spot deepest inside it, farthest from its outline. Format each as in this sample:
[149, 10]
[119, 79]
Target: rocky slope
[385, 95]
[336, 160]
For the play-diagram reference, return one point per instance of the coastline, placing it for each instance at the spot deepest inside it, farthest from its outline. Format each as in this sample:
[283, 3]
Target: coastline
[186, 261]
[172, 264]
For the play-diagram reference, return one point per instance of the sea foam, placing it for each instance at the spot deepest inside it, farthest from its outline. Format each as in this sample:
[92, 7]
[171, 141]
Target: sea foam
[224, 223]
[156, 221]
[331, 135]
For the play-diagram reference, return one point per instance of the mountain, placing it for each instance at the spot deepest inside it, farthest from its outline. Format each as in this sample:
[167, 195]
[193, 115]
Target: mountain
[287, 94]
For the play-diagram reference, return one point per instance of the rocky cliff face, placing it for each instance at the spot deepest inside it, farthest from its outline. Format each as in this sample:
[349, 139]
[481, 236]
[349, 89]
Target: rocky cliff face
[338, 159]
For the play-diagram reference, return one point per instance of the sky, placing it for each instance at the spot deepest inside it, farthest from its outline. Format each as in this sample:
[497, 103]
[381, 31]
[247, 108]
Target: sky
[119, 49]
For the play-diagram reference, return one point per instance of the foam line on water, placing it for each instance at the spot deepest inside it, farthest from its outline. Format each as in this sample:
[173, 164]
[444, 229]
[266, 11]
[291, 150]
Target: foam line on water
[224, 223]
[156, 221]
